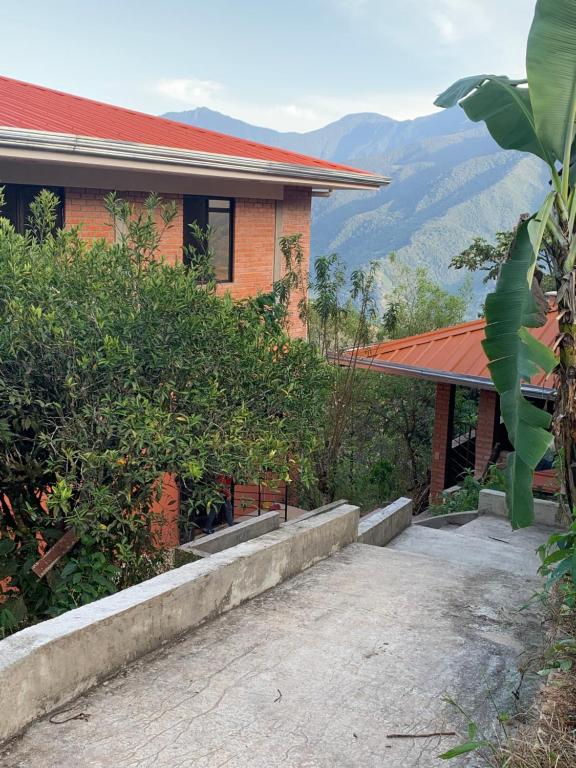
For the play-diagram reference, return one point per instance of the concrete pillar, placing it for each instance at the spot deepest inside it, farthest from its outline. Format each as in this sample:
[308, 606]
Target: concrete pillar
[441, 439]
[488, 416]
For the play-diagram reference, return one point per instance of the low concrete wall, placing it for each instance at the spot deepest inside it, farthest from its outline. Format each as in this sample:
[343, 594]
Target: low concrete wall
[316, 512]
[226, 538]
[453, 518]
[494, 503]
[382, 525]
[46, 666]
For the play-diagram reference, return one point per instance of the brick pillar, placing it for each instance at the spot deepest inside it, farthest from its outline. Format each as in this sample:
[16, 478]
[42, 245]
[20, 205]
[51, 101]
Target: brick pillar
[441, 439]
[488, 416]
[166, 511]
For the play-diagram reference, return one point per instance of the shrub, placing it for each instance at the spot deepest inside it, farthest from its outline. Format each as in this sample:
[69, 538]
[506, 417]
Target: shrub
[114, 369]
[465, 498]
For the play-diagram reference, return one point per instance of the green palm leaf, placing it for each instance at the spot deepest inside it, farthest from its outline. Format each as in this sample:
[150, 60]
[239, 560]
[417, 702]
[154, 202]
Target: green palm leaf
[515, 356]
[504, 105]
[552, 74]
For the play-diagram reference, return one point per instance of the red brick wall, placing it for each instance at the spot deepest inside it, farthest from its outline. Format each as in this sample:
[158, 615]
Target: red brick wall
[85, 207]
[254, 234]
[485, 429]
[441, 437]
[296, 214]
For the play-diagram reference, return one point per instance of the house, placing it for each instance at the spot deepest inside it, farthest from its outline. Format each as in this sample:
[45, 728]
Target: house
[453, 357]
[250, 194]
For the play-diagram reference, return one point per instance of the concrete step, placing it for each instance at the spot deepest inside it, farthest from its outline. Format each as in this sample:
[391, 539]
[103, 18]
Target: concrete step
[479, 554]
[499, 529]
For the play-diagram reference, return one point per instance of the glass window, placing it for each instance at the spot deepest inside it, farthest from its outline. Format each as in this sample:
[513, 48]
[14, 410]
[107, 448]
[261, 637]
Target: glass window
[217, 214]
[219, 223]
[17, 199]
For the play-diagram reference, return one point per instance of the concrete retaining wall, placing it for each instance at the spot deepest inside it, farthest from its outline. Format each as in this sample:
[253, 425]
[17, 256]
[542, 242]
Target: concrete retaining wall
[453, 518]
[317, 511]
[494, 503]
[382, 525]
[46, 666]
[226, 538]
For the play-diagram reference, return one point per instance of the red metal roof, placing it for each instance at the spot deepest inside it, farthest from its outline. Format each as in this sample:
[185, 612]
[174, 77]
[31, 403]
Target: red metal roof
[33, 107]
[455, 350]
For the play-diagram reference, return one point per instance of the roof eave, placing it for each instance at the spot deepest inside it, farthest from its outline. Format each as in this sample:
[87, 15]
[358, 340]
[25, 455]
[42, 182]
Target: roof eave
[430, 374]
[85, 147]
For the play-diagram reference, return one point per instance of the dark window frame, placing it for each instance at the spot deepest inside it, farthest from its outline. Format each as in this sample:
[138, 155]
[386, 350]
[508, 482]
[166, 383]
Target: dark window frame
[230, 210]
[19, 211]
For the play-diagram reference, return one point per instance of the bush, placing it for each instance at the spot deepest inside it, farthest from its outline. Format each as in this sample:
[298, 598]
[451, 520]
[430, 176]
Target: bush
[465, 498]
[114, 369]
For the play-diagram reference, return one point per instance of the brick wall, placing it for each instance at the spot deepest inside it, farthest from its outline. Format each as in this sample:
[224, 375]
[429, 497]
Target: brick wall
[296, 212]
[488, 413]
[441, 437]
[85, 208]
[254, 240]
[254, 235]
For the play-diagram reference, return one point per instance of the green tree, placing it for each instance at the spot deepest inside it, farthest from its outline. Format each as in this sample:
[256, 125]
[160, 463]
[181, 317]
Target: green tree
[116, 368]
[535, 115]
[417, 304]
[377, 429]
[482, 256]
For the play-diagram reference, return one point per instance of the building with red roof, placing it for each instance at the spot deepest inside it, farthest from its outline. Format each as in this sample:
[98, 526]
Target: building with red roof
[454, 357]
[250, 194]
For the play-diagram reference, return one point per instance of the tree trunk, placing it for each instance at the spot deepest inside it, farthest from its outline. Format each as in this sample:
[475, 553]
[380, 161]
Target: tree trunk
[564, 424]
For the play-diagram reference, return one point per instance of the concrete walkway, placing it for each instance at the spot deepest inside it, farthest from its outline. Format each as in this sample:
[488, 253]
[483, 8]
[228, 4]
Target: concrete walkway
[316, 673]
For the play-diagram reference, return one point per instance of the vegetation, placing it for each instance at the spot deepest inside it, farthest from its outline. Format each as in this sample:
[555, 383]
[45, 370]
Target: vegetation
[482, 256]
[378, 429]
[537, 116]
[115, 370]
[465, 498]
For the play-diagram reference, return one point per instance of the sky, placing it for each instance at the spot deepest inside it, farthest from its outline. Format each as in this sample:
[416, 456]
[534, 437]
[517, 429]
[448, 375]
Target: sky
[292, 65]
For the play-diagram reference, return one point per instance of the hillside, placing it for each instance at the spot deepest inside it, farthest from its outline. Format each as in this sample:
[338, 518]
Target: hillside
[450, 183]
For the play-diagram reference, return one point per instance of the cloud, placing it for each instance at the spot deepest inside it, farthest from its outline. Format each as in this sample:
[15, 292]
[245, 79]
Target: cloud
[189, 90]
[445, 26]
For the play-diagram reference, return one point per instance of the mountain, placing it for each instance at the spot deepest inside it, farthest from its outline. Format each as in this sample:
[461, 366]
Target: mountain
[450, 183]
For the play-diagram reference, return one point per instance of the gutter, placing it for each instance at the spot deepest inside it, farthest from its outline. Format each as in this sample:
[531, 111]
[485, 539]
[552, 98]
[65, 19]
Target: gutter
[85, 146]
[431, 374]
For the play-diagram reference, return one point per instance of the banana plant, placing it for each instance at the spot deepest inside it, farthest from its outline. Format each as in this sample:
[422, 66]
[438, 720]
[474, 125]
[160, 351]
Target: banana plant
[535, 115]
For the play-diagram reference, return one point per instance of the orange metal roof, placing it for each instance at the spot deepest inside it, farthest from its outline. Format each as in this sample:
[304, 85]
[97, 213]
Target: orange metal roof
[33, 107]
[456, 351]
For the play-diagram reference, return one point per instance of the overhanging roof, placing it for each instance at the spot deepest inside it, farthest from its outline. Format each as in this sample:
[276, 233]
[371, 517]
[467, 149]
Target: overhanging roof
[453, 355]
[38, 119]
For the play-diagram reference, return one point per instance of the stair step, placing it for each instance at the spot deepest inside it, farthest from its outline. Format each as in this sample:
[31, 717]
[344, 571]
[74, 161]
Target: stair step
[479, 554]
[499, 529]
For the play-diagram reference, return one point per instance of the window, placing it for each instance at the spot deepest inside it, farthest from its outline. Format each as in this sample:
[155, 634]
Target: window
[17, 199]
[218, 214]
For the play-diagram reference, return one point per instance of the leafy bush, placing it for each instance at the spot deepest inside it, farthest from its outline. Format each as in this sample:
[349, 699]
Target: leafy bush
[466, 497]
[115, 369]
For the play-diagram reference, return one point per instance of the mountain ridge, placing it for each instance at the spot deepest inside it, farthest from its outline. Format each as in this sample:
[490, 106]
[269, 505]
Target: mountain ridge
[450, 183]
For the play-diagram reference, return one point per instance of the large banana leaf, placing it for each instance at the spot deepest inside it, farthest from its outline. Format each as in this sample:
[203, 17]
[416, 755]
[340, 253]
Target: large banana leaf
[515, 356]
[552, 72]
[504, 105]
